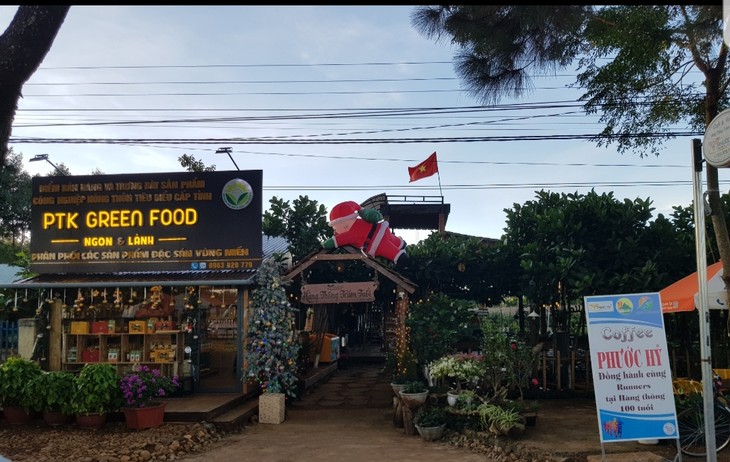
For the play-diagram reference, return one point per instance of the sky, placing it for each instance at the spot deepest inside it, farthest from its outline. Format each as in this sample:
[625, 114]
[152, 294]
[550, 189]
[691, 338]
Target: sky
[330, 102]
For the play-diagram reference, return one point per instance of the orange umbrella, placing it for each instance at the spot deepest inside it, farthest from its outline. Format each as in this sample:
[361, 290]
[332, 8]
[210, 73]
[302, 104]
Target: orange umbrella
[680, 296]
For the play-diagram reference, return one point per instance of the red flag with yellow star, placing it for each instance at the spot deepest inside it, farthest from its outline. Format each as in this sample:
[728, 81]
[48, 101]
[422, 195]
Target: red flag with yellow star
[425, 169]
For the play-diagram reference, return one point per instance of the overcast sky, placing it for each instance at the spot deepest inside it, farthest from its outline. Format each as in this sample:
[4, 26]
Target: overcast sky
[332, 102]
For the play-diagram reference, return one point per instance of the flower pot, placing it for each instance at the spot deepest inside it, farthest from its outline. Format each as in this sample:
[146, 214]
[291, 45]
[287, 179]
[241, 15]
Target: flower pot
[17, 415]
[397, 387]
[91, 421]
[451, 398]
[56, 418]
[431, 433]
[139, 418]
[414, 400]
[272, 408]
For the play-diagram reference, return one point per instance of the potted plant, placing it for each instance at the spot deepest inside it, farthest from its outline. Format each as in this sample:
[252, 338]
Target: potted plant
[16, 397]
[141, 389]
[501, 421]
[402, 366]
[461, 369]
[528, 410]
[430, 423]
[54, 392]
[414, 394]
[97, 393]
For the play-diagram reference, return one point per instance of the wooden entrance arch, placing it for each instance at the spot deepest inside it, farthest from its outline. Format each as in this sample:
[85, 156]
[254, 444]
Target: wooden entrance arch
[404, 287]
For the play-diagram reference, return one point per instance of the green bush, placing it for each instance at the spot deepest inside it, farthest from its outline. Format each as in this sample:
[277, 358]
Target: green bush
[431, 416]
[55, 391]
[97, 389]
[415, 387]
[16, 374]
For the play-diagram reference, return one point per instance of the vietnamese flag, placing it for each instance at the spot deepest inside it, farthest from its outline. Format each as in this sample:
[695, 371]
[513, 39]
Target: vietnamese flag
[425, 169]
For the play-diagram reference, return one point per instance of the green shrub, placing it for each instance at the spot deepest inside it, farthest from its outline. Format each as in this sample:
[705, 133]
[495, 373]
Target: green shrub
[431, 416]
[15, 375]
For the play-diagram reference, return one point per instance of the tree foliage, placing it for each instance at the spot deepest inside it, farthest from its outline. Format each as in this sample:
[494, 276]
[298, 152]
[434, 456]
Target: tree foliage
[634, 64]
[191, 164]
[437, 325]
[23, 46]
[303, 223]
[15, 202]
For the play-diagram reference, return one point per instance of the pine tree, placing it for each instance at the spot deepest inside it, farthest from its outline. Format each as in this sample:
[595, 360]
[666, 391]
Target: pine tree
[271, 357]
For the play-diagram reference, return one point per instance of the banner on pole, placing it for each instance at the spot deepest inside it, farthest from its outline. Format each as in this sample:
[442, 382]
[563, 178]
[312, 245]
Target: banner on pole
[630, 364]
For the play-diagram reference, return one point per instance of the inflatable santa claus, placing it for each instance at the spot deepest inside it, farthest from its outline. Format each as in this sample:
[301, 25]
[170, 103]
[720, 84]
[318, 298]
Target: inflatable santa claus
[364, 229]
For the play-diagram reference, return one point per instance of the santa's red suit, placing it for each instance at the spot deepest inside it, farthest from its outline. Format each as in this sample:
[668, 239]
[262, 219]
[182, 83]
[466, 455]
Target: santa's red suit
[364, 229]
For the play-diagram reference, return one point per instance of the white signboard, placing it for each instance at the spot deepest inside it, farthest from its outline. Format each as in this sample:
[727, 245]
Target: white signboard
[630, 363]
[716, 144]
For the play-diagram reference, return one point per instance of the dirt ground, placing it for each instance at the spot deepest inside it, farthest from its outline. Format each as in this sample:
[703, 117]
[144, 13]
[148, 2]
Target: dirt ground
[368, 434]
[350, 418]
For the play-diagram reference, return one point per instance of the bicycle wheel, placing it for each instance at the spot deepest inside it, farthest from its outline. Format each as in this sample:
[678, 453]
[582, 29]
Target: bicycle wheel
[722, 427]
[691, 427]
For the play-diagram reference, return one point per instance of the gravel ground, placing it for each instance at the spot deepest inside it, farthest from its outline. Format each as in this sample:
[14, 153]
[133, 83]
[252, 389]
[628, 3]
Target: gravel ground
[37, 442]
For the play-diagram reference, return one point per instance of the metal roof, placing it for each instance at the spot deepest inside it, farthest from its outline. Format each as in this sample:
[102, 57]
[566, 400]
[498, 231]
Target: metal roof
[271, 245]
[9, 273]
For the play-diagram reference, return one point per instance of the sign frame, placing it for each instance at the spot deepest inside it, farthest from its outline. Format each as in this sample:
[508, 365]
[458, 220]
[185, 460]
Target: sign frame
[173, 221]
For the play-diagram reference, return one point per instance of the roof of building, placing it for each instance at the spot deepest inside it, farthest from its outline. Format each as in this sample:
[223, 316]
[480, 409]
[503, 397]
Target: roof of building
[411, 212]
[9, 273]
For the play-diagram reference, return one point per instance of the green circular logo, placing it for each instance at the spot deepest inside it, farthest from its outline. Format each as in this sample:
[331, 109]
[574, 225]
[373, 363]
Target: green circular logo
[237, 194]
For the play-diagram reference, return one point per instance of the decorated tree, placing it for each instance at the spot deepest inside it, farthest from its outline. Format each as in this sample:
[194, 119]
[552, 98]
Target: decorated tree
[272, 351]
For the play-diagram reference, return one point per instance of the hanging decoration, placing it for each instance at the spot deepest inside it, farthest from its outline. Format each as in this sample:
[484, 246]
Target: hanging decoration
[118, 298]
[79, 302]
[365, 229]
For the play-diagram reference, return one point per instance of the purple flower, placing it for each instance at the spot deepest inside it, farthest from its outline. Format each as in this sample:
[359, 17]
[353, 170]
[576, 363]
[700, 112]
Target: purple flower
[141, 386]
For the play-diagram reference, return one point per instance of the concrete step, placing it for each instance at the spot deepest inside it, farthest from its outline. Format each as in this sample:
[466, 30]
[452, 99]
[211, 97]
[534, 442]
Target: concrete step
[238, 415]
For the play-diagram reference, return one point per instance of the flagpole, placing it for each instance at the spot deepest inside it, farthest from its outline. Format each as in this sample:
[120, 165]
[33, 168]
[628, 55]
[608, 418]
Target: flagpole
[439, 175]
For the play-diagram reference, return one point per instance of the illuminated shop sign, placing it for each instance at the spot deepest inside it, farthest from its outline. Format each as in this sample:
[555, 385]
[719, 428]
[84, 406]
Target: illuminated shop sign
[146, 222]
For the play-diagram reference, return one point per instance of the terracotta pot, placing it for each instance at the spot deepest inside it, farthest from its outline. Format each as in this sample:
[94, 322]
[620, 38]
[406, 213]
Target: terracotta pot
[139, 418]
[17, 415]
[56, 418]
[90, 420]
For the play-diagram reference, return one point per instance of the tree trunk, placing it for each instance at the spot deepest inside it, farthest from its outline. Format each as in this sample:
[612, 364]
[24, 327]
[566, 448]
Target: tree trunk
[23, 46]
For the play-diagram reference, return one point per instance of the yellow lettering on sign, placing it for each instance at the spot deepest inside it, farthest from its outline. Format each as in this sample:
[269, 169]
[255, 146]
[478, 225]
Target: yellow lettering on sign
[98, 241]
[176, 217]
[114, 219]
[60, 220]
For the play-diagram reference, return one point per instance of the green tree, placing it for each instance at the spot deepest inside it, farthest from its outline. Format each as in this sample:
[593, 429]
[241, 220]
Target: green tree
[633, 63]
[437, 325]
[303, 223]
[15, 201]
[459, 266]
[272, 348]
[191, 164]
[23, 46]
[572, 245]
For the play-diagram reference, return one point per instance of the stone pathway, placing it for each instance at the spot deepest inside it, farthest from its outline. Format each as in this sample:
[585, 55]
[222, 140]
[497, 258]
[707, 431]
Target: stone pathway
[354, 387]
